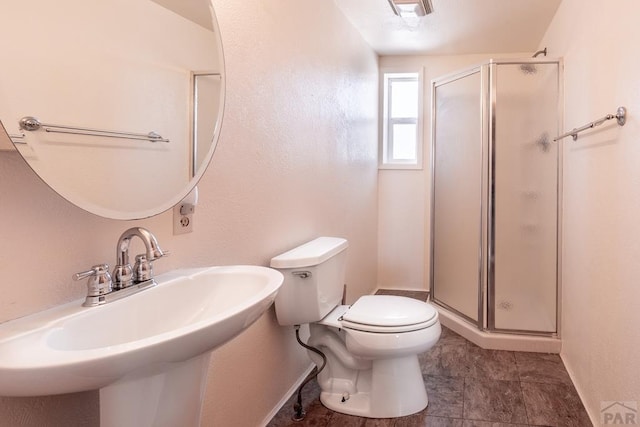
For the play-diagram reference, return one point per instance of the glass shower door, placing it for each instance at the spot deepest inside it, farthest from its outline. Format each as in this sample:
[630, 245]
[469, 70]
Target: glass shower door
[457, 159]
[523, 267]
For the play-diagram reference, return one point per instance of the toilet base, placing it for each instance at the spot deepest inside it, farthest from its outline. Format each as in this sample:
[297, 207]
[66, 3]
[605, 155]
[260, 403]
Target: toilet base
[396, 390]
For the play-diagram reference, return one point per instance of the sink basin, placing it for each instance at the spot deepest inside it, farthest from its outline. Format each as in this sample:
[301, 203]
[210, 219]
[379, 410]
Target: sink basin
[160, 331]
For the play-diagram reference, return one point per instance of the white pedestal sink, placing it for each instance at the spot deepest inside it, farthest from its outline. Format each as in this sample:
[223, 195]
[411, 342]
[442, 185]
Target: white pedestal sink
[148, 353]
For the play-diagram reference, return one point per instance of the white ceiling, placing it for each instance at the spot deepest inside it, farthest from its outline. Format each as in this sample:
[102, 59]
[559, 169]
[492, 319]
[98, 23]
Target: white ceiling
[455, 27]
[196, 11]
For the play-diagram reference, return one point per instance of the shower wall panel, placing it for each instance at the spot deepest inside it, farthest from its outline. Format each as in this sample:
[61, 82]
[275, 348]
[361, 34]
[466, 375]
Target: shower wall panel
[522, 294]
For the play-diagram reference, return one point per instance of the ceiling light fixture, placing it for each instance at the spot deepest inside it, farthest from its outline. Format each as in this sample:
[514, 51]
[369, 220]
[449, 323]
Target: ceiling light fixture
[411, 8]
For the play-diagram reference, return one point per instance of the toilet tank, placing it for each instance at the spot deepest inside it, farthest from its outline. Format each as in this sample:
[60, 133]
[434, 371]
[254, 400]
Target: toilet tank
[313, 280]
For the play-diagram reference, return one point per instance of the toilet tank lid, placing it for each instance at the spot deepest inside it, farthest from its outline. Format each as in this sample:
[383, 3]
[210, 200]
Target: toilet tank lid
[311, 253]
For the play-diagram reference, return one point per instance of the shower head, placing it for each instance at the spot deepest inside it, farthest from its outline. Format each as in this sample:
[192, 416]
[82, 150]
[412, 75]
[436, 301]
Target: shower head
[540, 52]
[528, 68]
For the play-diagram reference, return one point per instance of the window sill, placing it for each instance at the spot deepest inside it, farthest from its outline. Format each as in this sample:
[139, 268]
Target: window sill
[399, 166]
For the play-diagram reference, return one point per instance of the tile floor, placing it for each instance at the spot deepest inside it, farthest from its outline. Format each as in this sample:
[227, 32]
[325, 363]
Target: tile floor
[470, 387]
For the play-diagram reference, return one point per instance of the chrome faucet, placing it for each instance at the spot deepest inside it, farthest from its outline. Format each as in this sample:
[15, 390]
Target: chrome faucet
[127, 280]
[123, 274]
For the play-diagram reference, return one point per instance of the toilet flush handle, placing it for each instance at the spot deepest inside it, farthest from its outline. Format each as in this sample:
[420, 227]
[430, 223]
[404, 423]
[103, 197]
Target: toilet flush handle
[301, 274]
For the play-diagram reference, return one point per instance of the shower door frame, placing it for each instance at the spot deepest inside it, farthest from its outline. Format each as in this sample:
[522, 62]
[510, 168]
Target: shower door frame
[486, 261]
[483, 140]
[491, 285]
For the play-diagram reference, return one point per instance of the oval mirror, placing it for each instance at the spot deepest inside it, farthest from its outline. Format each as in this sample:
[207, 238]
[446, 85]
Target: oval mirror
[116, 104]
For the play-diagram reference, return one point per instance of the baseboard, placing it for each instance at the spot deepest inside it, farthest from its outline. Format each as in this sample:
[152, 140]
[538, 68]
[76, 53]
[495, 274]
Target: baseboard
[287, 395]
[398, 289]
[595, 418]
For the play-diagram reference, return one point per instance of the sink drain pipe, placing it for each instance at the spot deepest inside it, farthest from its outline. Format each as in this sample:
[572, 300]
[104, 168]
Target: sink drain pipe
[298, 410]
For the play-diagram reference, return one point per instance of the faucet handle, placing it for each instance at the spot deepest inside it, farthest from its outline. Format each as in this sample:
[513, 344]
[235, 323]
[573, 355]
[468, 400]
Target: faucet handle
[142, 270]
[159, 254]
[99, 282]
[95, 270]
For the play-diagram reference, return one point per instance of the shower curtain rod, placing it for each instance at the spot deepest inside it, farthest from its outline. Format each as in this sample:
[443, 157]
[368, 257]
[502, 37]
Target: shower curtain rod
[620, 116]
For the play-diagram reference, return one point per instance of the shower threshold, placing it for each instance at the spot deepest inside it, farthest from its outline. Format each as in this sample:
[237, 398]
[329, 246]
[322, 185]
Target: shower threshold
[497, 340]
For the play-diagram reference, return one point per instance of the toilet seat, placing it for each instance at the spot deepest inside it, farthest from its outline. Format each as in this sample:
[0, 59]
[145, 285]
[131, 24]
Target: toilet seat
[383, 314]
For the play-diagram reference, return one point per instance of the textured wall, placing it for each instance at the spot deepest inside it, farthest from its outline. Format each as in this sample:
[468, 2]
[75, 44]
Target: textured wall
[296, 159]
[600, 316]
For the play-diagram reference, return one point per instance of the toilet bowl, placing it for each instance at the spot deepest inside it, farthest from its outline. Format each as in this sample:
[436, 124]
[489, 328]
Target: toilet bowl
[372, 369]
[371, 346]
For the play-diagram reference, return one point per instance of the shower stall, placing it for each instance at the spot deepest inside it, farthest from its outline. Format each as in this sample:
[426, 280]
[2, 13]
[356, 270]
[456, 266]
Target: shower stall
[495, 204]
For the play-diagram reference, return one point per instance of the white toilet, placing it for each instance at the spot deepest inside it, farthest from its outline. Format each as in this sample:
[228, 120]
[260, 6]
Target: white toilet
[371, 346]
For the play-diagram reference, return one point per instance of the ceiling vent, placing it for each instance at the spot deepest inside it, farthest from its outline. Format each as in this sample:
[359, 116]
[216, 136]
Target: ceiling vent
[411, 8]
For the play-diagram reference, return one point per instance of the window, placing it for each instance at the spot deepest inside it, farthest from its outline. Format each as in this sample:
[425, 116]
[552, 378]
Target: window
[401, 142]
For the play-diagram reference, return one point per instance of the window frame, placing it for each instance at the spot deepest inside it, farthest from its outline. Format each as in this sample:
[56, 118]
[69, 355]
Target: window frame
[385, 146]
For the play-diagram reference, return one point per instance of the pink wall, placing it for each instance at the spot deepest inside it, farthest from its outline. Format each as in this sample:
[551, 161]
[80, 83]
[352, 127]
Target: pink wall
[296, 159]
[601, 271]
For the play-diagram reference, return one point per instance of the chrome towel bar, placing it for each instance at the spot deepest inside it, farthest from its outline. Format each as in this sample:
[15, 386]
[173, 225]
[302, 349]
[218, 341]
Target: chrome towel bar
[620, 116]
[30, 123]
